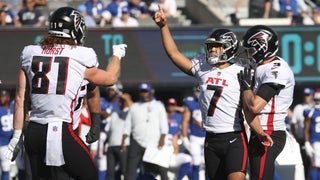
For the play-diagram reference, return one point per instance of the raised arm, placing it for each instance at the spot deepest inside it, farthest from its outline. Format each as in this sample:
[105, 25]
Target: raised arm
[109, 76]
[178, 59]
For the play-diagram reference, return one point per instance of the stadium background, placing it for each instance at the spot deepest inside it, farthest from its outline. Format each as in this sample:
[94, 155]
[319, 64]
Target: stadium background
[146, 60]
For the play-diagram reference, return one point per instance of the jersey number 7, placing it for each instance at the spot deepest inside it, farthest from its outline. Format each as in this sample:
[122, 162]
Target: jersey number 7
[214, 99]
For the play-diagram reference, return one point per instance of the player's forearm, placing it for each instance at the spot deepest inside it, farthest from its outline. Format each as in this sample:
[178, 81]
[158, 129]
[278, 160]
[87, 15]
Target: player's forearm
[168, 42]
[162, 140]
[306, 129]
[19, 104]
[175, 144]
[252, 120]
[185, 122]
[94, 100]
[114, 69]
[254, 105]
[255, 125]
[123, 140]
[18, 118]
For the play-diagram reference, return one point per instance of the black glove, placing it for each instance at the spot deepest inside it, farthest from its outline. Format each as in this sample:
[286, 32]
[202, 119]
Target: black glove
[94, 132]
[245, 79]
[18, 148]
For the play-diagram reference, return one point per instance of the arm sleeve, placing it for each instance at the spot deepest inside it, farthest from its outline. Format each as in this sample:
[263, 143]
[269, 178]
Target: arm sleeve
[268, 90]
[91, 87]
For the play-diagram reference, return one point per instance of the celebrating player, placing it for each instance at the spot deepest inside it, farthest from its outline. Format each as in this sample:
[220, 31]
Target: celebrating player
[225, 142]
[51, 75]
[270, 98]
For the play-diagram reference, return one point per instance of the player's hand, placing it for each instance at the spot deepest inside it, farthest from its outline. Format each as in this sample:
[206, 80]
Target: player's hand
[119, 50]
[15, 145]
[94, 132]
[123, 148]
[245, 79]
[265, 139]
[309, 149]
[186, 143]
[161, 142]
[159, 17]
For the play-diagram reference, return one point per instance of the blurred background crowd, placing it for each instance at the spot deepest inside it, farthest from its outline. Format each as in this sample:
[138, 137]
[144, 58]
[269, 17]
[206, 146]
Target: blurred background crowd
[133, 13]
[185, 13]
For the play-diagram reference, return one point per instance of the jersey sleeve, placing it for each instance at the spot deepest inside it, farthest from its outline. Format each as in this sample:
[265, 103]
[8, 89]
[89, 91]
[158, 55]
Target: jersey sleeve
[277, 73]
[24, 57]
[87, 57]
[196, 63]
[306, 112]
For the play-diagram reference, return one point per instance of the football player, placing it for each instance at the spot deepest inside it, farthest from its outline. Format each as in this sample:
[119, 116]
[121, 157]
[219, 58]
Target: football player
[312, 136]
[51, 75]
[225, 148]
[192, 131]
[6, 131]
[270, 98]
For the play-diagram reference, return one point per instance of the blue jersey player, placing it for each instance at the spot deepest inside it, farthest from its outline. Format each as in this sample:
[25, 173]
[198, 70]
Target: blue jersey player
[312, 136]
[193, 133]
[6, 131]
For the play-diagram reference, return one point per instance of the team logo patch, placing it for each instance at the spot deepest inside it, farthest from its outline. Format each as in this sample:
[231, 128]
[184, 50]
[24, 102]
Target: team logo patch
[275, 66]
[54, 128]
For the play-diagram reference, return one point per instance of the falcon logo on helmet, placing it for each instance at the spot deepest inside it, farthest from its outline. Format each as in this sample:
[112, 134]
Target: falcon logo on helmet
[67, 22]
[260, 39]
[77, 18]
[260, 43]
[229, 38]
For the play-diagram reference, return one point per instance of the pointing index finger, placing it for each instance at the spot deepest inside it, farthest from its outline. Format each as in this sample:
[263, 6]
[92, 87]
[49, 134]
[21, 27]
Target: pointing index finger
[160, 9]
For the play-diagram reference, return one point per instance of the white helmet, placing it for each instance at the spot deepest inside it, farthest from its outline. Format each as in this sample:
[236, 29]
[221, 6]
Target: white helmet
[316, 98]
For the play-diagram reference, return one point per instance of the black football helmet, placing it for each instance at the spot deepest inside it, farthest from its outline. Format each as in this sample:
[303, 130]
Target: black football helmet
[229, 42]
[67, 22]
[260, 42]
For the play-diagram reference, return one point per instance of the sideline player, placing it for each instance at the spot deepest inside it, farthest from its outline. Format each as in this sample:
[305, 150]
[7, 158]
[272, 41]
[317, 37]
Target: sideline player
[225, 141]
[6, 131]
[51, 75]
[270, 98]
[312, 136]
[192, 129]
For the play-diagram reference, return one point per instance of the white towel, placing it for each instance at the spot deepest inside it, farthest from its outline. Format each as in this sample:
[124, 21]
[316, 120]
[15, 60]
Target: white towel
[158, 156]
[54, 153]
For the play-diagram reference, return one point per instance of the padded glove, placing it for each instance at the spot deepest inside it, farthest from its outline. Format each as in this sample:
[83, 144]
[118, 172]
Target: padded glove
[15, 145]
[245, 79]
[186, 143]
[119, 50]
[94, 132]
[309, 149]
